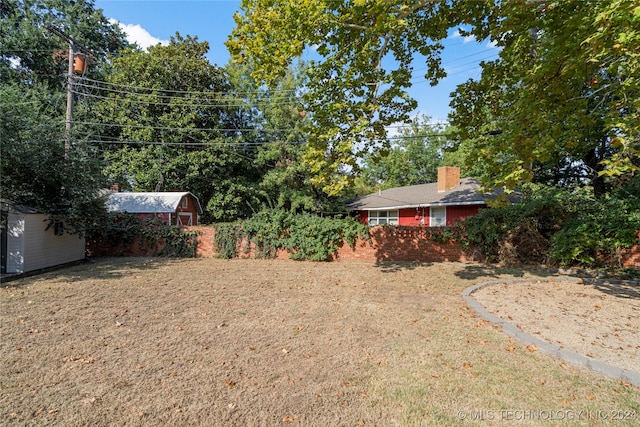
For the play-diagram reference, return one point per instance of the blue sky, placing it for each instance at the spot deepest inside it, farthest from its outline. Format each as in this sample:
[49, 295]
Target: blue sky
[148, 22]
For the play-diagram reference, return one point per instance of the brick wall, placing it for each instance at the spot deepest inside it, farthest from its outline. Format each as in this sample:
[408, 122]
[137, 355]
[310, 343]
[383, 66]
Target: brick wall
[631, 256]
[386, 244]
[403, 244]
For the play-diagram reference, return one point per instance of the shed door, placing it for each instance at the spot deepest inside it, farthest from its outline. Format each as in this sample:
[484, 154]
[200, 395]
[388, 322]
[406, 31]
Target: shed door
[185, 218]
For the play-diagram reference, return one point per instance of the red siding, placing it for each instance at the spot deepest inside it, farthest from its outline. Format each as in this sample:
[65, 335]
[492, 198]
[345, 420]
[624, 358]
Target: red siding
[413, 217]
[458, 213]
[416, 217]
[191, 208]
[163, 216]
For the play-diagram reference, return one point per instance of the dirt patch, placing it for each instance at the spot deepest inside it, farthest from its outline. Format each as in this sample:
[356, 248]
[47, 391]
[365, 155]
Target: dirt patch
[257, 342]
[597, 319]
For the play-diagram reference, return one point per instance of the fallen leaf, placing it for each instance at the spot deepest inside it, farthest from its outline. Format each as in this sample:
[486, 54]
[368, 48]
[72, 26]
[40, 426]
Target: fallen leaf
[532, 348]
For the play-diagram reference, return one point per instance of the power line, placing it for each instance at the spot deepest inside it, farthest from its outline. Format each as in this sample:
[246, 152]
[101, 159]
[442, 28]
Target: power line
[181, 129]
[130, 88]
[187, 145]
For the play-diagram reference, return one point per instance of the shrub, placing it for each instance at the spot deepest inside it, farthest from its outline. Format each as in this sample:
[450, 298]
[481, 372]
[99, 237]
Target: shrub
[558, 226]
[305, 236]
[119, 231]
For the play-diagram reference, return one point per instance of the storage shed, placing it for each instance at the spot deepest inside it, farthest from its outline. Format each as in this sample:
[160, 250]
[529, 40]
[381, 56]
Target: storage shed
[27, 244]
[176, 208]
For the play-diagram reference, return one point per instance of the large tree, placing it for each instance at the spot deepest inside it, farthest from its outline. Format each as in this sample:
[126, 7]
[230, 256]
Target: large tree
[560, 104]
[279, 121]
[359, 86]
[565, 86]
[416, 152]
[168, 120]
[36, 168]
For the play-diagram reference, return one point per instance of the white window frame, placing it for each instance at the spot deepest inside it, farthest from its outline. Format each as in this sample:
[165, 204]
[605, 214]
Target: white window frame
[389, 217]
[438, 216]
[185, 202]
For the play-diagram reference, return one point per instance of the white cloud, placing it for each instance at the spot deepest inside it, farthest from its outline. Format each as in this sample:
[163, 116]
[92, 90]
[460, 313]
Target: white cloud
[466, 39]
[492, 44]
[136, 34]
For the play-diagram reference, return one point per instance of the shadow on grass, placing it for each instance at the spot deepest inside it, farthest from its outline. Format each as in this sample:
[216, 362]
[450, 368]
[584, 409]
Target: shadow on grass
[475, 271]
[396, 266]
[92, 269]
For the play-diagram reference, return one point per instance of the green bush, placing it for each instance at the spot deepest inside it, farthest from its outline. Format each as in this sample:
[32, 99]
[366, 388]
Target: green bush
[558, 226]
[120, 230]
[178, 242]
[305, 236]
[226, 239]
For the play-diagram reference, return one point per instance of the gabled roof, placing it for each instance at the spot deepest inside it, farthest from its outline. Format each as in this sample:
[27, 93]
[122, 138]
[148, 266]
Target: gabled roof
[422, 195]
[151, 202]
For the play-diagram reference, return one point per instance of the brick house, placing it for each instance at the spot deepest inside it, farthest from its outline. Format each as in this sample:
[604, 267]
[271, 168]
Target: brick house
[176, 208]
[437, 204]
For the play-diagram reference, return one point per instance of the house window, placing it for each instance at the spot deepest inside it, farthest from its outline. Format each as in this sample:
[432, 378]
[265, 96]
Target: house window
[383, 217]
[438, 216]
[185, 203]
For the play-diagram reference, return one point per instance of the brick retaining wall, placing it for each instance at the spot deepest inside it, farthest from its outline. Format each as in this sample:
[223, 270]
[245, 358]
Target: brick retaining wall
[631, 256]
[386, 244]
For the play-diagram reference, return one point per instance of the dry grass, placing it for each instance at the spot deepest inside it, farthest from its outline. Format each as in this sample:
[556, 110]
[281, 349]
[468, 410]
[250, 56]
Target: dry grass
[255, 342]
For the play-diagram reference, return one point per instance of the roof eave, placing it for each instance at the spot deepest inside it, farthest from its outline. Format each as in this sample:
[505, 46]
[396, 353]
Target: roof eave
[418, 205]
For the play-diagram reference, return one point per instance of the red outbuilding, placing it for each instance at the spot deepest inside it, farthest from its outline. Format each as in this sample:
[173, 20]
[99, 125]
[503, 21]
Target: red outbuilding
[176, 208]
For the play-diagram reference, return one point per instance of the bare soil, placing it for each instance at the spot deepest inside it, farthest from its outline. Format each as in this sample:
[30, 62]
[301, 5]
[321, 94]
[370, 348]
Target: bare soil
[140, 342]
[597, 319]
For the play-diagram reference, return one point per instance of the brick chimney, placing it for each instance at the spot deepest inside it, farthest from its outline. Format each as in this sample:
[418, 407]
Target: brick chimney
[448, 178]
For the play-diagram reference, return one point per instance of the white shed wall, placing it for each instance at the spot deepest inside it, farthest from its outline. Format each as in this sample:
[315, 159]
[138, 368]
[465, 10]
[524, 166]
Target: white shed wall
[42, 248]
[15, 243]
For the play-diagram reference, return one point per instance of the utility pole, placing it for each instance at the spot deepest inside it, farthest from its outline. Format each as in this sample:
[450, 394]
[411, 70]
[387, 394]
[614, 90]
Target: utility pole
[69, 115]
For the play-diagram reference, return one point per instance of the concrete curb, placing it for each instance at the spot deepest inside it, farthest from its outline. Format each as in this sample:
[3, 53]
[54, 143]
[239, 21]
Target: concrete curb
[552, 349]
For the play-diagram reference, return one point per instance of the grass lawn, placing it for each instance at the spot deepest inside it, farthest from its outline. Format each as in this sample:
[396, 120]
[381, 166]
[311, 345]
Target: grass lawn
[211, 342]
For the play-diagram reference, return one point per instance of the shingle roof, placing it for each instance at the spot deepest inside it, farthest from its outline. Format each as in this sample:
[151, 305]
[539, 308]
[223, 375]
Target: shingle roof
[422, 195]
[152, 202]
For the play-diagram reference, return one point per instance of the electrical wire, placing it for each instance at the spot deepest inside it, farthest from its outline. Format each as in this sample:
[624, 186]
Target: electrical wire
[184, 92]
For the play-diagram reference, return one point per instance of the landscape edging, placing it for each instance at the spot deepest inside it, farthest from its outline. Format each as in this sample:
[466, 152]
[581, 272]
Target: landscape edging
[552, 349]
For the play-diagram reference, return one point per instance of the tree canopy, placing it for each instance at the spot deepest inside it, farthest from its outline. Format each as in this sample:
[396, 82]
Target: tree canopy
[565, 88]
[352, 93]
[36, 168]
[167, 121]
[416, 152]
[563, 94]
